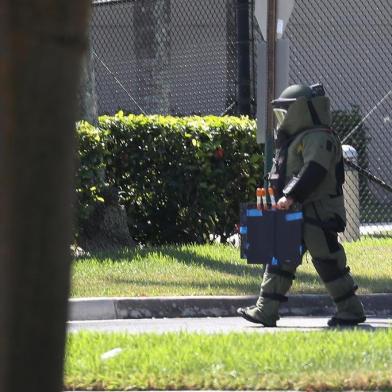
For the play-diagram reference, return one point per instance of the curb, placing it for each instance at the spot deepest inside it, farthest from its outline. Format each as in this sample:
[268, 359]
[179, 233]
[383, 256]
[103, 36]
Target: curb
[379, 305]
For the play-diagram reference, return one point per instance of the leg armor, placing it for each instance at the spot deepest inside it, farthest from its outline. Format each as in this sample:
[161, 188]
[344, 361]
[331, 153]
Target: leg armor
[276, 283]
[329, 259]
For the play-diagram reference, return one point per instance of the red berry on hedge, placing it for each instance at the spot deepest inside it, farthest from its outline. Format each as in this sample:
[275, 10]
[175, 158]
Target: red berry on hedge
[219, 152]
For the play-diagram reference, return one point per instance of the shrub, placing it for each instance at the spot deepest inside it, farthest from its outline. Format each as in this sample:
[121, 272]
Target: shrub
[180, 179]
[90, 181]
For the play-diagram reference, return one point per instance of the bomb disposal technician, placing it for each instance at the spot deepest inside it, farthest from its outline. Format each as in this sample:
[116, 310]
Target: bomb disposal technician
[308, 172]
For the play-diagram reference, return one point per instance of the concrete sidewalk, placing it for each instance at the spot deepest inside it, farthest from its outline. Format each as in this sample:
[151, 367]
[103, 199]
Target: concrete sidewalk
[378, 305]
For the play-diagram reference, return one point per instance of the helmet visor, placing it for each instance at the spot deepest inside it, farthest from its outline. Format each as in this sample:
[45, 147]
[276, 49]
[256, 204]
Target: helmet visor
[280, 115]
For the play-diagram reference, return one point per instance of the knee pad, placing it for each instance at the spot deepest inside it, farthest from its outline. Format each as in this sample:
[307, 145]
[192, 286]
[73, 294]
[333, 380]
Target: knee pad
[338, 281]
[271, 269]
[276, 283]
[329, 270]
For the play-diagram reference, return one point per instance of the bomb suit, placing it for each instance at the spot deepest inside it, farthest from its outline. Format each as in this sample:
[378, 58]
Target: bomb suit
[308, 173]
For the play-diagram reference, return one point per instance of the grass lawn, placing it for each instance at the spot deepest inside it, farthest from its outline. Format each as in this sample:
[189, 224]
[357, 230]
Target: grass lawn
[214, 270]
[314, 361]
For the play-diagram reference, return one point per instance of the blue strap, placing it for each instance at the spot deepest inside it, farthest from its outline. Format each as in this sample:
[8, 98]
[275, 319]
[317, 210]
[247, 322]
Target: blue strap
[254, 212]
[243, 230]
[293, 216]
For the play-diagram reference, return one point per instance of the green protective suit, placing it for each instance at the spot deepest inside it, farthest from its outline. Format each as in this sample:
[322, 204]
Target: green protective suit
[312, 146]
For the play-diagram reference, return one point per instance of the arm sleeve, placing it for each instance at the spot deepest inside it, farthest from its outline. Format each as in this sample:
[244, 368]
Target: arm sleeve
[308, 179]
[319, 150]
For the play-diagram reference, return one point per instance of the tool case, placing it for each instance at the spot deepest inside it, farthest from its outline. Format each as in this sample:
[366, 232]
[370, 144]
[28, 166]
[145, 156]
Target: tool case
[270, 236]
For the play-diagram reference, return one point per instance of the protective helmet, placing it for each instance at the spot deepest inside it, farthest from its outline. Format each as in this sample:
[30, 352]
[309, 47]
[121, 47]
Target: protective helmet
[290, 94]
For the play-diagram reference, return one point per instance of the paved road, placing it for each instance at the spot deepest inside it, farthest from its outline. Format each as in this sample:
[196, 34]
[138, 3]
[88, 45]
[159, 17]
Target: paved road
[213, 325]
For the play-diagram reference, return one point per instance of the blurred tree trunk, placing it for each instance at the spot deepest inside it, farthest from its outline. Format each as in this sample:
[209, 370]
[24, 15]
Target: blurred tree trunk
[87, 96]
[152, 50]
[41, 46]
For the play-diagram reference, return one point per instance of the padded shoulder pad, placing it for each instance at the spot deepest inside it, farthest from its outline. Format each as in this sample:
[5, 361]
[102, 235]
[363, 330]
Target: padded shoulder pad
[319, 146]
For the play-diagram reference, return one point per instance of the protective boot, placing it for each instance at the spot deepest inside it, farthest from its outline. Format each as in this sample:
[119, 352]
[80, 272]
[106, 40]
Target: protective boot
[276, 283]
[349, 308]
[341, 287]
[254, 315]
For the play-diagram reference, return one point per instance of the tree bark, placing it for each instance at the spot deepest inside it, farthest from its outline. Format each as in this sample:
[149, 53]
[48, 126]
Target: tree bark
[87, 96]
[152, 50]
[41, 46]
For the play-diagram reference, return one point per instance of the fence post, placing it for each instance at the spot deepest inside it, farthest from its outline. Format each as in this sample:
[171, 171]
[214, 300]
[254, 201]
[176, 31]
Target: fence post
[351, 196]
[271, 68]
[243, 57]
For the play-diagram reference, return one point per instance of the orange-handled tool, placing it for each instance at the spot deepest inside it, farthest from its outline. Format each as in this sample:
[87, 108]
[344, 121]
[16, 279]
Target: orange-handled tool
[259, 195]
[264, 197]
[272, 197]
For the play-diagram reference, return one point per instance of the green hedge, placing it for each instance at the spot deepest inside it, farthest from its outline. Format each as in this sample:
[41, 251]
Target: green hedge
[180, 179]
[90, 180]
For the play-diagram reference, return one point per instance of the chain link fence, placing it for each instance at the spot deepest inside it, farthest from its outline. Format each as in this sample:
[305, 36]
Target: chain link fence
[180, 57]
[346, 46]
[165, 56]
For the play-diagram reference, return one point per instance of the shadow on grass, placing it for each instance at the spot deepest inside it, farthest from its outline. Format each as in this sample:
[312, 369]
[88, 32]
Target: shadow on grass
[214, 285]
[183, 256]
[374, 285]
[226, 266]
